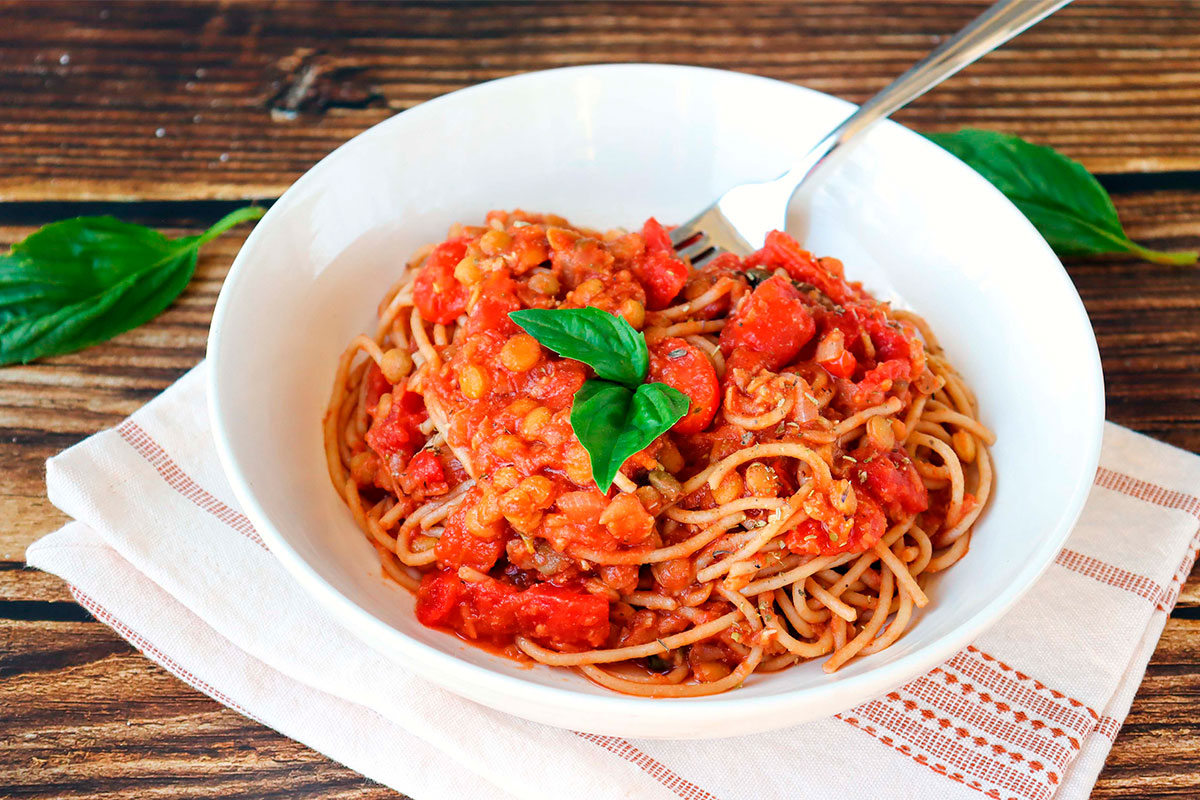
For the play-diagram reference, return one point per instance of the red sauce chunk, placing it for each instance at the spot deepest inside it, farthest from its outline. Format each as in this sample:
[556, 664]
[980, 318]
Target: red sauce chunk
[662, 274]
[681, 365]
[396, 435]
[439, 296]
[487, 609]
[773, 324]
[814, 537]
[891, 479]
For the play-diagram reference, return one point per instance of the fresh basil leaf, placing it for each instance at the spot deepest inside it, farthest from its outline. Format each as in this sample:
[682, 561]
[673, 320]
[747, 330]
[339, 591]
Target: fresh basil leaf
[598, 416]
[19, 298]
[656, 407]
[613, 422]
[606, 343]
[1057, 194]
[126, 304]
[81, 281]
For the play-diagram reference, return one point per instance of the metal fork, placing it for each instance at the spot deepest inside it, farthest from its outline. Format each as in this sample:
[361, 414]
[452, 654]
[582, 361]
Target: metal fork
[740, 219]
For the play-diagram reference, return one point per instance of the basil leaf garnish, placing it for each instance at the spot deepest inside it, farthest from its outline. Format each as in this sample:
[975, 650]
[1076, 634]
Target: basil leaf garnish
[81, 281]
[606, 343]
[655, 408]
[1059, 196]
[613, 415]
[598, 416]
[613, 422]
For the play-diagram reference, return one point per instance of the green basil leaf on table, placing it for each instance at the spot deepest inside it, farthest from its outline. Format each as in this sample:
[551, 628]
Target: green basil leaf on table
[81, 281]
[1057, 194]
[605, 342]
[613, 422]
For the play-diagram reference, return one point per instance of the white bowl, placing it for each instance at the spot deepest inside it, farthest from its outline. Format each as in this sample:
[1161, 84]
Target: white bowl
[612, 145]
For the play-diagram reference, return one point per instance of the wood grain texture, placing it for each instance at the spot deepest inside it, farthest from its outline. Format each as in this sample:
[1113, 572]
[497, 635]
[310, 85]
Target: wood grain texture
[87, 86]
[83, 715]
[27, 585]
[138, 100]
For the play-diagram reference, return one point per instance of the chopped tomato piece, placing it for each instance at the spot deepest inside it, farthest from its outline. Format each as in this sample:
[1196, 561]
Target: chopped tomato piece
[437, 293]
[659, 271]
[782, 250]
[832, 353]
[458, 547]
[656, 236]
[438, 597]
[663, 278]
[840, 366]
[554, 383]
[423, 476]
[811, 537]
[879, 381]
[377, 386]
[892, 341]
[749, 360]
[723, 265]
[683, 366]
[497, 297]
[398, 433]
[563, 618]
[576, 257]
[772, 321]
[891, 479]
[554, 615]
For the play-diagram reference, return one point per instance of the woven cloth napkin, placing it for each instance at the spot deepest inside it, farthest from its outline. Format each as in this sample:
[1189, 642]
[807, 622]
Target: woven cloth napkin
[160, 552]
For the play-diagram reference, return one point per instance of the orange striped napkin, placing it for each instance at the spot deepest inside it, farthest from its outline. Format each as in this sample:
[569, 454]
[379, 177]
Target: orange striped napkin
[161, 553]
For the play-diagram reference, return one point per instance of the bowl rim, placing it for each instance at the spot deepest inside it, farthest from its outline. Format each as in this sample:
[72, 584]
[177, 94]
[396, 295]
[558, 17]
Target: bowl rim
[481, 683]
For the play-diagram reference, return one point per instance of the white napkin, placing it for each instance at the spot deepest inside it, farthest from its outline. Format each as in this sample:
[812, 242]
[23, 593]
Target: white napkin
[161, 553]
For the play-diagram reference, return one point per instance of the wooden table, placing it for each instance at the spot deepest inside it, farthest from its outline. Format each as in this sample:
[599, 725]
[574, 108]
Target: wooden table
[172, 114]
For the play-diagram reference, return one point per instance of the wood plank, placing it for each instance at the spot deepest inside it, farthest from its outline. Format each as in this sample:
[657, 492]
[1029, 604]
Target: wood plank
[1189, 596]
[27, 585]
[145, 100]
[82, 714]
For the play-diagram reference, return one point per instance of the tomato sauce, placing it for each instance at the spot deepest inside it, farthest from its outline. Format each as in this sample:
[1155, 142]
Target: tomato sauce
[509, 558]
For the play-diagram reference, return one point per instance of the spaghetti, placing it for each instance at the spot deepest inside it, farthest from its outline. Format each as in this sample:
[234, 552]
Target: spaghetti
[831, 459]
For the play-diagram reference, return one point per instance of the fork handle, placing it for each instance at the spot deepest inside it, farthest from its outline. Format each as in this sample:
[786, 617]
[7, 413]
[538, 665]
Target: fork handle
[995, 26]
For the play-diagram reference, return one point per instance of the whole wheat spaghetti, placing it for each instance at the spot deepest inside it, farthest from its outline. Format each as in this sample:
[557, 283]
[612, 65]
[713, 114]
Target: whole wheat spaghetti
[830, 461]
